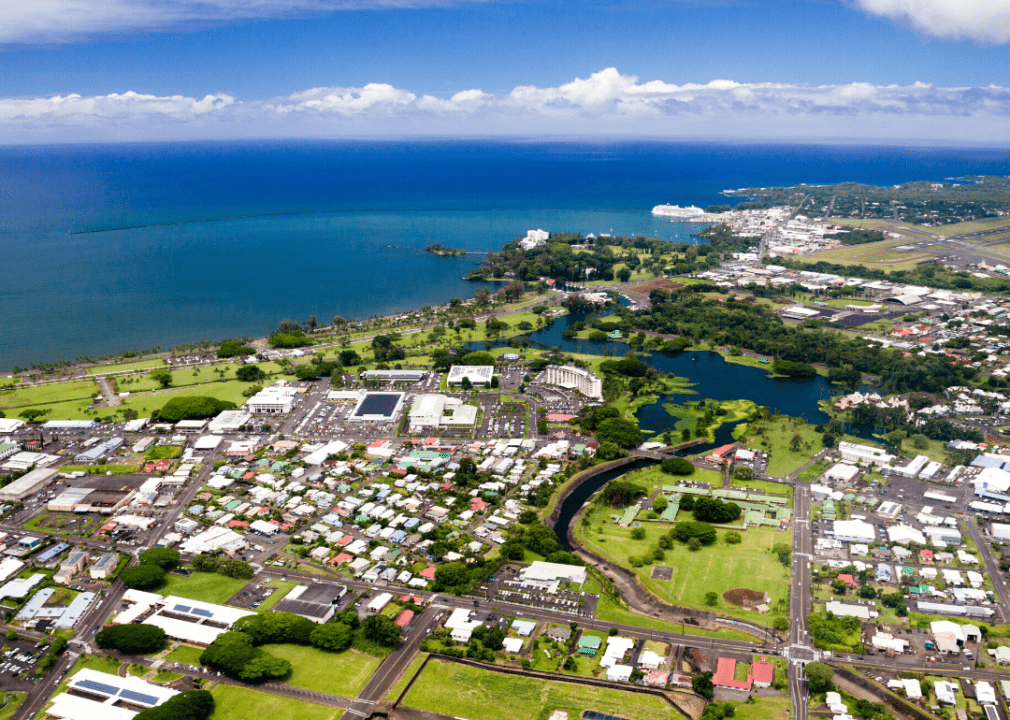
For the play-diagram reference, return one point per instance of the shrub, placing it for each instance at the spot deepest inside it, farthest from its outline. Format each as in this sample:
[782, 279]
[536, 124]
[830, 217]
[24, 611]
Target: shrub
[676, 466]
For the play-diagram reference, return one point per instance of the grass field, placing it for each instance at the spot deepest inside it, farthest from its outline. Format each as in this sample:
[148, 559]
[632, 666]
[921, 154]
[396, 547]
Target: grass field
[883, 255]
[232, 702]
[467, 692]
[776, 436]
[764, 708]
[209, 587]
[717, 568]
[343, 674]
[51, 397]
[185, 654]
[410, 672]
[969, 227]
[126, 367]
[769, 488]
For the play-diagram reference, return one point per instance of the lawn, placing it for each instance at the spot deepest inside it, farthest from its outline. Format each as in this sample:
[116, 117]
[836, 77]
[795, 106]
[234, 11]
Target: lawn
[209, 587]
[776, 436]
[232, 702]
[126, 367]
[13, 702]
[814, 471]
[769, 488]
[230, 390]
[882, 255]
[410, 672]
[463, 691]
[185, 654]
[764, 708]
[343, 674]
[718, 568]
[49, 396]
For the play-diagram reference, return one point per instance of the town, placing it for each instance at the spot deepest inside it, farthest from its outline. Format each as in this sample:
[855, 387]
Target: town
[370, 519]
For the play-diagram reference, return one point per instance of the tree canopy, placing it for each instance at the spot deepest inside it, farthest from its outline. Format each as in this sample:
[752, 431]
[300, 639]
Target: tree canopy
[191, 407]
[676, 466]
[619, 431]
[131, 639]
[188, 705]
[143, 577]
[381, 629]
[165, 558]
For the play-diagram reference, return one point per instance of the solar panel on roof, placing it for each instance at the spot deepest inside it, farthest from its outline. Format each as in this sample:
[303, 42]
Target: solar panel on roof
[202, 612]
[97, 686]
[138, 697]
[183, 608]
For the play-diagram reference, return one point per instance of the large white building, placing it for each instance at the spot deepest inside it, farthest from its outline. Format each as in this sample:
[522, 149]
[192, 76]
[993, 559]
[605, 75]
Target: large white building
[855, 531]
[95, 695]
[864, 453]
[27, 485]
[438, 411]
[574, 378]
[478, 375]
[274, 400]
[534, 238]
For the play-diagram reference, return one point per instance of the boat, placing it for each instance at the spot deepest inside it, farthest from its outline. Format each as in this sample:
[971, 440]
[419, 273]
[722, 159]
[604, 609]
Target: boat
[676, 211]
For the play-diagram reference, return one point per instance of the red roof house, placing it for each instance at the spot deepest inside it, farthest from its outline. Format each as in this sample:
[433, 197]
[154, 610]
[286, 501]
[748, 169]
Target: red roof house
[724, 672]
[761, 673]
[428, 573]
[848, 580]
[405, 617]
[478, 505]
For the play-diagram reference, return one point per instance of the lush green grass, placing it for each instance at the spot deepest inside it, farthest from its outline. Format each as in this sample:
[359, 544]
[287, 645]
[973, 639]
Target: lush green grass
[814, 471]
[882, 255]
[209, 587]
[45, 396]
[126, 367]
[94, 662]
[164, 677]
[14, 700]
[343, 674]
[233, 702]
[163, 452]
[185, 654]
[410, 672]
[230, 390]
[764, 707]
[776, 436]
[717, 568]
[769, 488]
[968, 227]
[119, 469]
[607, 611]
[138, 670]
[462, 691]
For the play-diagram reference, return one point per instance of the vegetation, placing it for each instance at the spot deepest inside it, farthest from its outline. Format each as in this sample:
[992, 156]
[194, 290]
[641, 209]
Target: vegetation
[191, 407]
[143, 577]
[132, 639]
[189, 705]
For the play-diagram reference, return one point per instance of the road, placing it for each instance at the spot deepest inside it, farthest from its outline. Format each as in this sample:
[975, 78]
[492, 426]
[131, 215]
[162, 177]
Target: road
[992, 569]
[799, 601]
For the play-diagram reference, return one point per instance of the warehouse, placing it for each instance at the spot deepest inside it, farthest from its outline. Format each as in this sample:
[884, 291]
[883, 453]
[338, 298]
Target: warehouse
[390, 376]
[85, 500]
[93, 454]
[274, 400]
[228, 421]
[317, 602]
[378, 407]
[855, 531]
[27, 485]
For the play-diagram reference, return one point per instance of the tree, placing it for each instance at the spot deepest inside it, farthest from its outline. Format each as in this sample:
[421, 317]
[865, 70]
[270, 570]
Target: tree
[234, 654]
[189, 705]
[711, 599]
[624, 274]
[12, 635]
[527, 517]
[381, 629]
[165, 558]
[820, 677]
[191, 407]
[334, 637]
[276, 627]
[250, 373]
[693, 529]
[132, 639]
[349, 358]
[619, 431]
[676, 466]
[733, 538]
[163, 376]
[32, 415]
[714, 510]
[703, 685]
[660, 504]
[638, 534]
[142, 577]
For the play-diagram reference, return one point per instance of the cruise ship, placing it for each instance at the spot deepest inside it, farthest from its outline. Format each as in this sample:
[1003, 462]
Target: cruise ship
[676, 211]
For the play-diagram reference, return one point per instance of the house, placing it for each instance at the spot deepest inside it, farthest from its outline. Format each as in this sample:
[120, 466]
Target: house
[761, 673]
[985, 693]
[619, 673]
[724, 676]
[649, 660]
[945, 692]
[848, 580]
[589, 645]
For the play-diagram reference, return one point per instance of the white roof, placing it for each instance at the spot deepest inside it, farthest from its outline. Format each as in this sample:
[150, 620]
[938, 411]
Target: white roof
[72, 707]
[549, 572]
[184, 630]
[476, 374]
[512, 645]
[855, 530]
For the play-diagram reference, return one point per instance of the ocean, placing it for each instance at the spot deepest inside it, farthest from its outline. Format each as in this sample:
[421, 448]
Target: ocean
[108, 248]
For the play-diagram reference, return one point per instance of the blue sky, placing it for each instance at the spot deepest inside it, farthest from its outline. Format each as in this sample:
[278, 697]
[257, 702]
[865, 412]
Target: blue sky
[147, 69]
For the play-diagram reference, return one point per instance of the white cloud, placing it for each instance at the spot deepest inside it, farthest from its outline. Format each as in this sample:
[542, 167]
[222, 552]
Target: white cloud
[605, 103]
[28, 21]
[984, 21]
